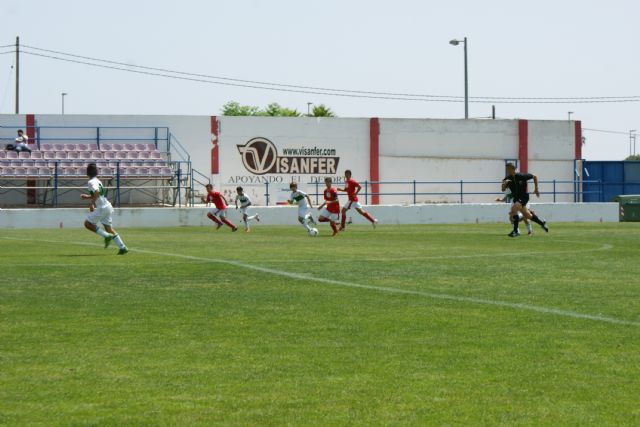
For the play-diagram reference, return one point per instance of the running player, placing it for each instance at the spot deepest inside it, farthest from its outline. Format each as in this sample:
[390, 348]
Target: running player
[352, 188]
[331, 205]
[245, 202]
[517, 183]
[303, 201]
[509, 199]
[219, 214]
[100, 211]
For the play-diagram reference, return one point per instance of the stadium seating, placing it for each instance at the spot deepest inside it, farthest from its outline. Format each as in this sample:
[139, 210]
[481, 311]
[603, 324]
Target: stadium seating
[131, 160]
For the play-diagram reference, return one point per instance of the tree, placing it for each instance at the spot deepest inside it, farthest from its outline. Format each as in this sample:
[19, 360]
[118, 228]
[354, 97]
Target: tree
[275, 110]
[634, 157]
[233, 108]
[322, 111]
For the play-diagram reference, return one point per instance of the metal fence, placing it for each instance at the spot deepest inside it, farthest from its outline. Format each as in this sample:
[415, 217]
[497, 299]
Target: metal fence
[460, 191]
[55, 189]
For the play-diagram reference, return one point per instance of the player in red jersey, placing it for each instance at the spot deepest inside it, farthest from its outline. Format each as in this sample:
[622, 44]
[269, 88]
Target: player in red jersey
[352, 188]
[331, 205]
[219, 214]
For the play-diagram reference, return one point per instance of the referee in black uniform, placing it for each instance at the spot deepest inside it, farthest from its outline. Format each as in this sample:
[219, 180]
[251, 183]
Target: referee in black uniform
[517, 184]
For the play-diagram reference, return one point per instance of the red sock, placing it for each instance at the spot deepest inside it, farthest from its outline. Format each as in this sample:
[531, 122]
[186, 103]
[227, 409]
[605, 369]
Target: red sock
[228, 223]
[333, 226]
[344, 220]
[213, 218]
[369, 217]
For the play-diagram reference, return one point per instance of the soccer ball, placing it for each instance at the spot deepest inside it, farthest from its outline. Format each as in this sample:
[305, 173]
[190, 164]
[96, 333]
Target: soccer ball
[313, 232]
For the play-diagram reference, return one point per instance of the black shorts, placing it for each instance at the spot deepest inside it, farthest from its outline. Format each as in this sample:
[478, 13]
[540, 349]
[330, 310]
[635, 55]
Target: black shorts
[523, 200]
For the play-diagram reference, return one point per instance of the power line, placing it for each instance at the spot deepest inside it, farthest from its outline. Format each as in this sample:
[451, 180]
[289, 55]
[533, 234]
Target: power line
[9, 51]
[348, 95]
[322, 90]
[233, 84]
[615, 132]
[202, 78]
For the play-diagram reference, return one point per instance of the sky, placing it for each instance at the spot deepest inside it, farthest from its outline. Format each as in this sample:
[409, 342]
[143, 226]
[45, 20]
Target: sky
[545, 48]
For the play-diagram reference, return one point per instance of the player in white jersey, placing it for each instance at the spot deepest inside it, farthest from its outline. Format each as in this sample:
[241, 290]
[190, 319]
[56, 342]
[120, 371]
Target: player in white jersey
[100, 211]
[303, 201]
[245, 202]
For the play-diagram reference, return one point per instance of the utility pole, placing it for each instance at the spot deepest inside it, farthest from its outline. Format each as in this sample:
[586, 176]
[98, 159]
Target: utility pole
[17, 75]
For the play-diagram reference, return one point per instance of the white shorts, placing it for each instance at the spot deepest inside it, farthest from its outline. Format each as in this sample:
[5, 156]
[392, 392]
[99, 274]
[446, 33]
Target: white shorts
[329, 215]
[222, 213]
[245, 210]
[101, 215]
[303, 212]
[351, 204]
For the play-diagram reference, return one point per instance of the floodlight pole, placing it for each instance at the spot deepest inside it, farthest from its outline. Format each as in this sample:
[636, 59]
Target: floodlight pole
[466, 82]
[17, 75]
[632, 142]
[63, 94]
[455, 42]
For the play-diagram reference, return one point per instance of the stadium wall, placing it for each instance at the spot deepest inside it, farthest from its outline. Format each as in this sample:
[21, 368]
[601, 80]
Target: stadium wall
[287, 215]
[253, 151]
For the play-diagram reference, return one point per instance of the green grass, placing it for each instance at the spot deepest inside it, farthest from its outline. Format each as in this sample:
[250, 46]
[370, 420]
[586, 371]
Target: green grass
[91, 338]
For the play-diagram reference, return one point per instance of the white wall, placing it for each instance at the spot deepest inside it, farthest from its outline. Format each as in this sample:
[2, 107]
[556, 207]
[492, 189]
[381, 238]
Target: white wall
[410, 149]
[348, 137]
[281, 215]
[445, 151]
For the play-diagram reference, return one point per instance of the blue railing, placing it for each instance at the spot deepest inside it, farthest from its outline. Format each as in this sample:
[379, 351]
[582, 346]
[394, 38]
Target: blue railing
[460, 189]
[158, 135]
[114, 182]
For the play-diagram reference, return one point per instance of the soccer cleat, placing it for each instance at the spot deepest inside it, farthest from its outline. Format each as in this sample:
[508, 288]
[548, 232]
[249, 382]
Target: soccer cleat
[247, 230]
[218, 226]
[341, 228]
[234, 229]
[530, 233]
[544, 226]
[123, 251]
[335, 233]
[257, 217]
[375, 221]
[108, 239]
[514, 234]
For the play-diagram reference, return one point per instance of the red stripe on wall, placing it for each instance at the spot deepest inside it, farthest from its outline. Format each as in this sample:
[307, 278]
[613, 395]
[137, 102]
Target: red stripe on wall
[31, 128]
[215, 161]
[523, 145]
[578, 134]
[31, 133]
[374, 158]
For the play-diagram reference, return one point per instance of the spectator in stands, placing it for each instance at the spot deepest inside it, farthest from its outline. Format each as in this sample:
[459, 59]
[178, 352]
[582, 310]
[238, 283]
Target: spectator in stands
[21, 143]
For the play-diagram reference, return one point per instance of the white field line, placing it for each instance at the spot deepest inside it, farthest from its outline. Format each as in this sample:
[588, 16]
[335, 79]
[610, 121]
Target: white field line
[446, 297]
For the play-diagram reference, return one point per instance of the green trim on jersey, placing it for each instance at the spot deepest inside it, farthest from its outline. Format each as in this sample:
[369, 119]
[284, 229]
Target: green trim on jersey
[101, 191]
[298, 197]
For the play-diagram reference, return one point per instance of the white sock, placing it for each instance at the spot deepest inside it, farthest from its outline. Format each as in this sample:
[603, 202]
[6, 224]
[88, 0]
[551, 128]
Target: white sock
[251, 218]
[102, 232]
[246, 223]
[529, 228]
[119, 241]
[305, 225]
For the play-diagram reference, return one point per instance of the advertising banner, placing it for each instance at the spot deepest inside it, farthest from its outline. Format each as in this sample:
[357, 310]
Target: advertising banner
[254, 153]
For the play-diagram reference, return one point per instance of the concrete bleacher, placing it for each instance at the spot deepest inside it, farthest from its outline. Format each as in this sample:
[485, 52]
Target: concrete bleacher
[67, 161]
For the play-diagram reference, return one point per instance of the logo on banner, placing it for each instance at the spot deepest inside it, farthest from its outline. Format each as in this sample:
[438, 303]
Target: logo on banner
[260, 156]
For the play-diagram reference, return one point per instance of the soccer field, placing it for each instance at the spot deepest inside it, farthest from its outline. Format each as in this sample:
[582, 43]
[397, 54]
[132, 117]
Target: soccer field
[395, 326]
